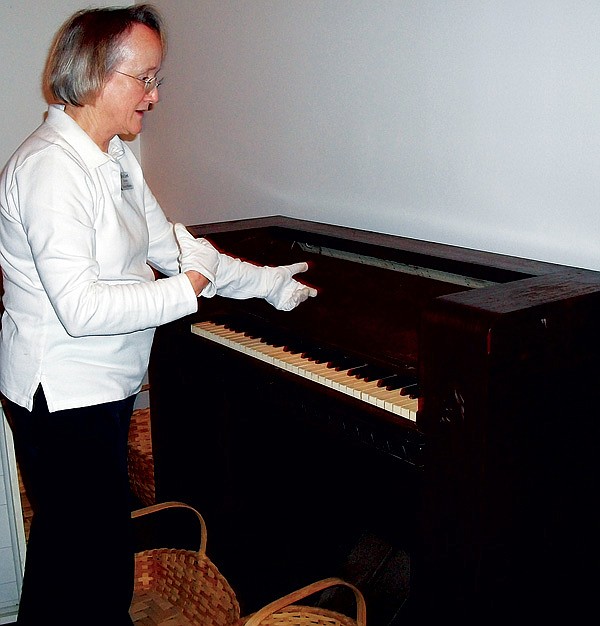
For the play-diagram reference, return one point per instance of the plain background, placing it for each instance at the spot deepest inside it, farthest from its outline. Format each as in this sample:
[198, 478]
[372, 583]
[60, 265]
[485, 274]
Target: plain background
[469, 122]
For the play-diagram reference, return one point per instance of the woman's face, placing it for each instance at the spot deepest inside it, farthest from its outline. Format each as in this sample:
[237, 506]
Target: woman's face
[123, 101]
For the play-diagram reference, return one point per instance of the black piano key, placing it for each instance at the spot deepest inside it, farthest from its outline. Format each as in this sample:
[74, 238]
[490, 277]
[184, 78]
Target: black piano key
[345, 363]
[241, 326]
[335, 358]
[412, 391]
[399, 381]
[355, 370]
[383, 380]
[299, 346]
[373, 372]
[323, 354]
[277, 340]
[396, 380]
[268, 336]
[252, 334]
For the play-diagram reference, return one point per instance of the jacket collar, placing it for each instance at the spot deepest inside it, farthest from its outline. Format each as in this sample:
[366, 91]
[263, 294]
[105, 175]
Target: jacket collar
[81, 142]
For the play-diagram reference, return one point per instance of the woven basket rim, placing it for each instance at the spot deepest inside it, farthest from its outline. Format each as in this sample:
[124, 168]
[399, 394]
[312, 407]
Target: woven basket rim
[272, 613]
[186, 579]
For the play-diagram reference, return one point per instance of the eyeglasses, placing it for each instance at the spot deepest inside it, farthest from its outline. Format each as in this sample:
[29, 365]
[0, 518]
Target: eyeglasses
[149, 83]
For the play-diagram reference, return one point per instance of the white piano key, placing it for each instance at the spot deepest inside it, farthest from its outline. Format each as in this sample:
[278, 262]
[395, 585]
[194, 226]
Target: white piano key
[319, 373]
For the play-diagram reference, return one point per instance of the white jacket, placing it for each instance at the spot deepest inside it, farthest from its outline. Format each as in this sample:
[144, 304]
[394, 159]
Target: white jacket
[78, 228]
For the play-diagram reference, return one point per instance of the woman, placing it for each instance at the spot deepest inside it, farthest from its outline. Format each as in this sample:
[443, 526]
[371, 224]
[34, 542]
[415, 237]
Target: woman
[79, 233]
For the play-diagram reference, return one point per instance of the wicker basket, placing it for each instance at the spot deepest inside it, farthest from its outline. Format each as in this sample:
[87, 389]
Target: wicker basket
[140, 459]
[180, 587]
[285, 611]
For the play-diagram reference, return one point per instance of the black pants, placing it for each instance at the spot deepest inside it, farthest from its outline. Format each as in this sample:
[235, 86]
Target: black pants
[79, 559]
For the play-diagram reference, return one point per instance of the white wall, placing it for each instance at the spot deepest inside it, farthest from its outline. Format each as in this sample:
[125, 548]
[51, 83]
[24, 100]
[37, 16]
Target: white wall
[471, 122]
[27, 28]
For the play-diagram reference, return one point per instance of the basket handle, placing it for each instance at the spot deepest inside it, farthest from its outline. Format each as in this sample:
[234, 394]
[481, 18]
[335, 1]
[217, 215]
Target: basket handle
[154, 508]
[299, 594]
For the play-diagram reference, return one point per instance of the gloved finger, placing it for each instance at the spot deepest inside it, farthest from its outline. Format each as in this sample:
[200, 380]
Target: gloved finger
[296, 268]
[300, 295]
[304, 293]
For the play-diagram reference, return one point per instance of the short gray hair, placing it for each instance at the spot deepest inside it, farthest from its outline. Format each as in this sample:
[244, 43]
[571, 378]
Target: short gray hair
[88, 46]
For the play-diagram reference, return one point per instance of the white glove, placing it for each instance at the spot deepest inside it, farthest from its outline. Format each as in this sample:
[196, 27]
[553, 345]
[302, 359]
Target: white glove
[199, 255]
[241, 280]
[284, 292]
